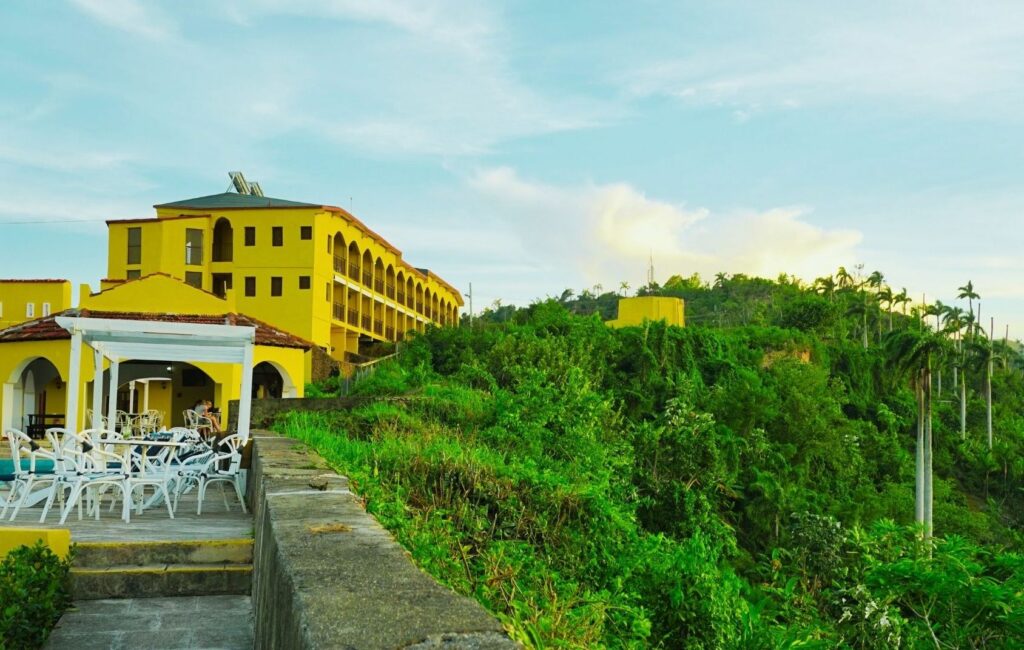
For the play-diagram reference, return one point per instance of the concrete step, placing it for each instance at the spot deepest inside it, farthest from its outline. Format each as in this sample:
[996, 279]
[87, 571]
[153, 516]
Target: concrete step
[160, 580]
[99, 555]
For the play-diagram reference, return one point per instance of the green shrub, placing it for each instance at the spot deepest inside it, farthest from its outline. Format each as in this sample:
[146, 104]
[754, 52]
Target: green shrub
[34, 592]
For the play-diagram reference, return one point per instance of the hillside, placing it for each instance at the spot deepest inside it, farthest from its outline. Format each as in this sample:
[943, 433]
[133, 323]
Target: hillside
[745, 482]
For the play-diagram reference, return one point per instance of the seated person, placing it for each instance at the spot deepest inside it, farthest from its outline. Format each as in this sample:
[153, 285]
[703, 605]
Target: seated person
[204, 409]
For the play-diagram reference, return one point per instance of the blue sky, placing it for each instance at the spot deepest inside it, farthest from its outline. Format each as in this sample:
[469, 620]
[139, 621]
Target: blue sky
[528, 147]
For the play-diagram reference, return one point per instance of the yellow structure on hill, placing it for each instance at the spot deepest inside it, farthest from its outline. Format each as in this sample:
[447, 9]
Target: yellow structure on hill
[634, 311]
[312, 279]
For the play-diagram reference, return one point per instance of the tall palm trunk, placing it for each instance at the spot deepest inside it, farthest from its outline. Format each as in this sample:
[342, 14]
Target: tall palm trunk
[988, 386]
[963, 406]
[864, 330]
[928, 500]
[919, 452]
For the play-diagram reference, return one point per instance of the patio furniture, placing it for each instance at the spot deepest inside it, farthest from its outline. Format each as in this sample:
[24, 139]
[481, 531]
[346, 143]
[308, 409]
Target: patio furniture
[22, 479]
[200, 423]
[229, 452]
[39, 422]
[147, 471]
[82, 468]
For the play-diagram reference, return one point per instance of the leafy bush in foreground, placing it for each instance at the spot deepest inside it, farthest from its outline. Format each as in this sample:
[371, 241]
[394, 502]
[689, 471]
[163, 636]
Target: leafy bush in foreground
[34, 592]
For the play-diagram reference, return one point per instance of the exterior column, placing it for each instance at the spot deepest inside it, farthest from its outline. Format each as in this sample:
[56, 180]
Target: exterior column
[145, 397]
[112, 395]
[131, 397]
[74, 382]
[97, 389]
[245, 398]
[7, 407]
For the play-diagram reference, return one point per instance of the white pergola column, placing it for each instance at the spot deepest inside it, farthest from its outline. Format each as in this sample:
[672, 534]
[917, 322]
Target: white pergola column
[7, 407]
[245, 398]
[112, 395]
[145, 397]
[131, 396]
[97, 389]
[74, 382]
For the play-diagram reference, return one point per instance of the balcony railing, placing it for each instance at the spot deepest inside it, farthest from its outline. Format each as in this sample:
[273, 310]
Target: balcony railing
[339, 264]
[378, 285]
[401, 297]
[353, 317]
[339, 312]
[353, 270]
[378, 327]
[367, 278]
[389, 333]
[391, 291]
[366, 323]
[419, 306]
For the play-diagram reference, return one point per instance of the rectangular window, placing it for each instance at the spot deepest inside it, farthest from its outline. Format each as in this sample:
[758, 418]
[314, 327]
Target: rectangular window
[133, 274]
[46, 309]
[277, 236]
[250, 286]
[306, 232]
[30, 310]
[194, 279]
[330, 243]
[135, 245]
[328, 292]
[193, 246]
[303, 281]
[275, 286]
[250, 235]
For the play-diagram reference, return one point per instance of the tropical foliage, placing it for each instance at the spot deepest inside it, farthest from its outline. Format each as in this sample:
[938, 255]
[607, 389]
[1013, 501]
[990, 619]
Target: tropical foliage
[755, 480]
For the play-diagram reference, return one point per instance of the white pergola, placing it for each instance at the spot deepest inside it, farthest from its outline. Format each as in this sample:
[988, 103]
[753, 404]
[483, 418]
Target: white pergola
[139, 340]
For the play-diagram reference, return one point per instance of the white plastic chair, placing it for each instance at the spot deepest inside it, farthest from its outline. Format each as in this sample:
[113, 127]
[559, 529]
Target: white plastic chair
[22, 446]
[83, 469]
[228, 450]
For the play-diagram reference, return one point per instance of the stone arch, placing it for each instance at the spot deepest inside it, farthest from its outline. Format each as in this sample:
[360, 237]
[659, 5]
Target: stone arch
[340, 254]
[223, 241]
[26, 391]
[270, 379]
[354, 268]
[378, 275]
[367, 278]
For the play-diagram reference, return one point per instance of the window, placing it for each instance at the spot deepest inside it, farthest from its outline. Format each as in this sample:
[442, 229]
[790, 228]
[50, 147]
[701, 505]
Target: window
[250, 235]
[275, 286]
[304, 282]
[133, 274]
[194, 279]
[250, 286]
[193, 246]
[328, 292]
[135, 245]
[46, 309]
[306, 232]
[30, 310]
[330, 243]
[277, 236]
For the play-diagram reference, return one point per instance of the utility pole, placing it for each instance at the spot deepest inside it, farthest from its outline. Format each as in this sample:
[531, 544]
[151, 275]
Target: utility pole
[470, 296]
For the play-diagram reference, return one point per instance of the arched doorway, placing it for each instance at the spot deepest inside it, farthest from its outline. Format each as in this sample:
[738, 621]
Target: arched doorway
[223, 241]
[270, 380]
[38, 390]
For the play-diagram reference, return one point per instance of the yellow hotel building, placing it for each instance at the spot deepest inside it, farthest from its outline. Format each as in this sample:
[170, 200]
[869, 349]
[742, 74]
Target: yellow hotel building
[315, 282]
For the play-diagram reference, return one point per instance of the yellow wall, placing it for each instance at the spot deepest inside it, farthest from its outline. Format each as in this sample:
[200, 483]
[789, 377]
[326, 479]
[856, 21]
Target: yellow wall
[308, 313]
[157, 294]
[634, 311]
[16, 295]
[15, 356]
[58, 539]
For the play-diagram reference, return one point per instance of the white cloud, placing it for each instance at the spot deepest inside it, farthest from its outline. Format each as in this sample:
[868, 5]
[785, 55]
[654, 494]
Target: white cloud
[142, 19]
[607, 233]
[950, 53]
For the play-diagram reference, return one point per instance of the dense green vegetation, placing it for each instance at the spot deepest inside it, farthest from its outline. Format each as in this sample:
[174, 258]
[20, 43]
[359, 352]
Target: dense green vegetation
[34, 592]
[746, 482]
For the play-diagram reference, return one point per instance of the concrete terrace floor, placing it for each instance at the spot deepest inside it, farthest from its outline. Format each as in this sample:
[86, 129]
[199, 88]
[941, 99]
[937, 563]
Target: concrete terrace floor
[152, 525]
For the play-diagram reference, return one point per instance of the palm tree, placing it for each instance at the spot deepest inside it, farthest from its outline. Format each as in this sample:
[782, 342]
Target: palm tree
[967, 291]
[952, 322]
[826, 286]
[902, 298]
[885, 295]
[915, 352]
[624, 287]
[844, 279]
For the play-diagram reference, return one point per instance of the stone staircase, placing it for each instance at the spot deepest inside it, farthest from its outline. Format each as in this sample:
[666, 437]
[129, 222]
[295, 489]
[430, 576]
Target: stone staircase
[128, 569]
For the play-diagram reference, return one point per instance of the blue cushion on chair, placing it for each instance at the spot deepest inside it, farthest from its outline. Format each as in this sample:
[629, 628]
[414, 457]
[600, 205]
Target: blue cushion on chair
[7, 467]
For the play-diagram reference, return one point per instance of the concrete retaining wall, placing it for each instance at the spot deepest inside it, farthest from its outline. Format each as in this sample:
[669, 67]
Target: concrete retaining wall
[327, 575]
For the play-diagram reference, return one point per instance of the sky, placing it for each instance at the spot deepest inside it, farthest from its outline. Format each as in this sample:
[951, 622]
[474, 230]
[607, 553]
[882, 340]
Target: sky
[530, 147]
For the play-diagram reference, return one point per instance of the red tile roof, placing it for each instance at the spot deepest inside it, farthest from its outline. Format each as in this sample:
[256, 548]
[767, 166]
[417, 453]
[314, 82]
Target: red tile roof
[47, 329]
